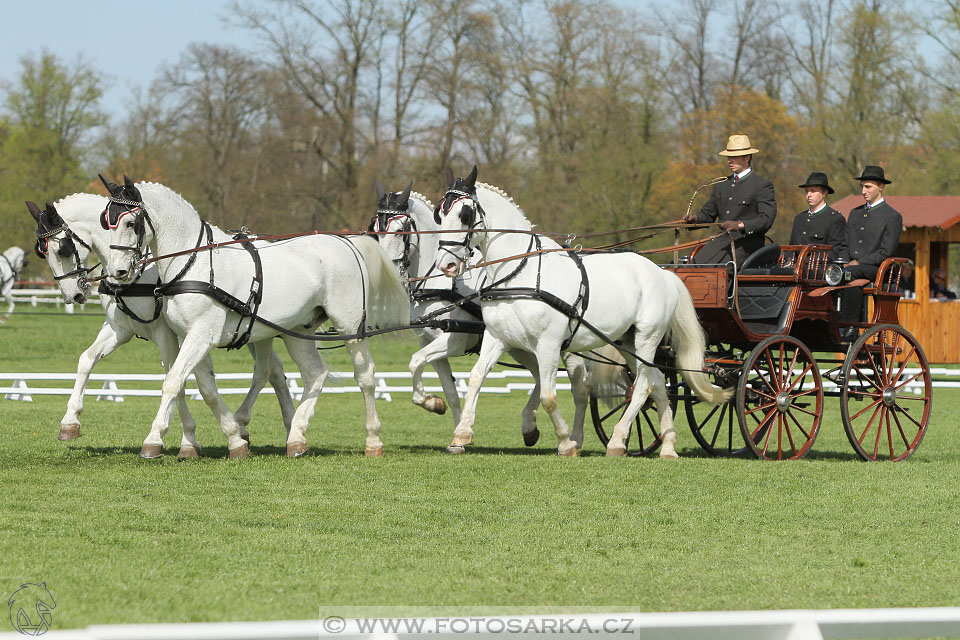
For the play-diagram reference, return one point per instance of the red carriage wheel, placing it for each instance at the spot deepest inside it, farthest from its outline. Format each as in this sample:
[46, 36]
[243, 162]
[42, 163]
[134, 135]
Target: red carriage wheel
[780, 399]
[887, 394]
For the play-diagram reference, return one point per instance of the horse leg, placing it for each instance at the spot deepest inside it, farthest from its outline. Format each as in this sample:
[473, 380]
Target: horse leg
[548, 360]
[364, 372]
[647, 379]
[579, 386]
[490, 352]
[528, 417]
[314, 373]
[9, 298]
[169, 347]
[107, 341]
[278, 380]
[435, 351]
[194, 350]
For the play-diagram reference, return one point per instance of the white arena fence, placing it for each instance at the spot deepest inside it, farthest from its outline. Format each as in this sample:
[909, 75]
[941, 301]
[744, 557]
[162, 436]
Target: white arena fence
[35, 296]
[22, 386]
[719, 625]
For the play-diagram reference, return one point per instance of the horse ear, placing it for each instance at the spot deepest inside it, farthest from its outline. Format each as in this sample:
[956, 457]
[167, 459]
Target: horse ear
[127, 182]
[34, 210]
[112, 187]
[450, 178]
[405, 196]
[53, 215]
[472, 178]
[380, 190]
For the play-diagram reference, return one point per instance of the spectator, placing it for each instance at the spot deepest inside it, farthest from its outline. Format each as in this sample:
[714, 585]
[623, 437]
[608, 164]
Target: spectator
[906, 280]
[938, 286]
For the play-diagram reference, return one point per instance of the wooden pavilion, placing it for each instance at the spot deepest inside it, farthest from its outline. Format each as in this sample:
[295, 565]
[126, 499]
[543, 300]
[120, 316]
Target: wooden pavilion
[930, 225]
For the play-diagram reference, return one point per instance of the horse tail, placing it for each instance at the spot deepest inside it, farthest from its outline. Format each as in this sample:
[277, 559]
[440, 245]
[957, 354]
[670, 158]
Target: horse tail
[388, 302]
[689, 342]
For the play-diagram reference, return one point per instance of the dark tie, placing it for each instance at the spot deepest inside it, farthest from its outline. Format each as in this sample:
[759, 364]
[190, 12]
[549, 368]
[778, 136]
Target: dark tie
[736, 177]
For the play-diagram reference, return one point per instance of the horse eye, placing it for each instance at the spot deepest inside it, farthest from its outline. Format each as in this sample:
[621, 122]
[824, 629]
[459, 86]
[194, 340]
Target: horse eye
[130, 224]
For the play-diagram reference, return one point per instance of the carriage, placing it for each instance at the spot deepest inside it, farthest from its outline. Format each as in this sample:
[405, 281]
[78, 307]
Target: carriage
[774, 334]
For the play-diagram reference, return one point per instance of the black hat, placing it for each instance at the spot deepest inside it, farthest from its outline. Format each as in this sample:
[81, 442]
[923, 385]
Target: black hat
[874, 174]
[818, 179]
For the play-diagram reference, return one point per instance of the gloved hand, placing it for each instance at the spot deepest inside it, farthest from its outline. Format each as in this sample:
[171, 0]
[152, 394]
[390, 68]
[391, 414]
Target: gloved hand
[730, 225]
[690, 219]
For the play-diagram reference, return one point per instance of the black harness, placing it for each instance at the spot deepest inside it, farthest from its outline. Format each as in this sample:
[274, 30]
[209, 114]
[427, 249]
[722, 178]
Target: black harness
[470, 216]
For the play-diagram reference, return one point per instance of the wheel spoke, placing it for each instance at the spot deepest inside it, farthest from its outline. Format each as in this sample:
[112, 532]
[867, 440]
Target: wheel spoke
[869, 422]
[799, 426]
[889, 436]
[809, 413]
[864, 410]
[876, 444]
[893, 355]
[788, 372]
[906, 382]
[903, 436]
[863, 379]
[761, 407]
[613, 411]
[800, 377]
[906, 361]
[920, 426]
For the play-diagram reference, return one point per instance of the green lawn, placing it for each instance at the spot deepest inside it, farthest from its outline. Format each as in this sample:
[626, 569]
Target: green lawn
[119, 539]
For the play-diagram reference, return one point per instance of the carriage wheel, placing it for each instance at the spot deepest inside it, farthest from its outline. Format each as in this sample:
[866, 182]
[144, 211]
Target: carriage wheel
[715, 427]
[780, 399]
[887, 394]
[644, 437]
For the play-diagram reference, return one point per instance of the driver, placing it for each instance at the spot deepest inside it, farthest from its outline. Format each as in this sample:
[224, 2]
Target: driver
[744, 204]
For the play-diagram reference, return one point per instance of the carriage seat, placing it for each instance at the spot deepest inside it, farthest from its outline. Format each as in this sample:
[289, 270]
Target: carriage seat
[764, 262]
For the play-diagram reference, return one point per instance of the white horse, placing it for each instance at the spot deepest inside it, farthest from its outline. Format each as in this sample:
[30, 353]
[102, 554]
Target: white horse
[629, 300]
[68, 233]
[11, 264]
[304, 282]
[404, 215]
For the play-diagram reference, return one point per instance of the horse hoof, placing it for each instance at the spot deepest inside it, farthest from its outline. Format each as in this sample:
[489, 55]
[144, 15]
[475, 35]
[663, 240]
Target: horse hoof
[436, 405]
[374, 452]
[672, 455]
[296, 449]
[456, 449]
[187, 452]
[617, 452]
[531, 437]
[151, 451]
[240, 452]
[569, 453]
[69, 431]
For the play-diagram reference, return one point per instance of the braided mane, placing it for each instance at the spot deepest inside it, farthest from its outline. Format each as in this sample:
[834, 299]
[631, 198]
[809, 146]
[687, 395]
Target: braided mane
[422, 198]
[498, 191]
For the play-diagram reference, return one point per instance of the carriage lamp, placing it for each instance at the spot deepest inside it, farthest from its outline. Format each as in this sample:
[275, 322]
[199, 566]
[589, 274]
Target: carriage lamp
[834, 274]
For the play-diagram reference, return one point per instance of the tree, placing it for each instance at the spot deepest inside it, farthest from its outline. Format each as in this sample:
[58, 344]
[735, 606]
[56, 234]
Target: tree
[52, 115]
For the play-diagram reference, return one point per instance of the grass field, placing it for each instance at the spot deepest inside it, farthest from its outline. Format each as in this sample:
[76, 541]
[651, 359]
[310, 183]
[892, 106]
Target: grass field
[120, 539]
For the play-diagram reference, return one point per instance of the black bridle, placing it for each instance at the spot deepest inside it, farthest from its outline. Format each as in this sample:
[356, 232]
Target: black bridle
[471, 214]
[49, 225]
[116, 209]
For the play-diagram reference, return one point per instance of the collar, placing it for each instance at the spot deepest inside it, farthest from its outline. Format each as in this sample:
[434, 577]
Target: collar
[822, 207]
[743, 174]
[875, 204]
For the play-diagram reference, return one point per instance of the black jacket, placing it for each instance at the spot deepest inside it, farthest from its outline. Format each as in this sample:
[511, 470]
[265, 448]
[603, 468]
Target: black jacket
[750, 200]
[825, 227]
[873, 234]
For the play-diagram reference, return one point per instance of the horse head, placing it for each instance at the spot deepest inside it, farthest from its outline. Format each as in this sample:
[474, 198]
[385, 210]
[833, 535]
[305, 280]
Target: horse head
[392, 223]
[66, 254]
[459, 209]
[131, 229]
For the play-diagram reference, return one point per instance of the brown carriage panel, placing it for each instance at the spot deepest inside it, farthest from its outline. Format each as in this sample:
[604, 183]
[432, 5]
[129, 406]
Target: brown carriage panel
[707, 287]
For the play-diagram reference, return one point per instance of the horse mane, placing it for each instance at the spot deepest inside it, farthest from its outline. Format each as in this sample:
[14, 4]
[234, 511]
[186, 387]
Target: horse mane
[503, 194]
[422, 198]
[499, 192]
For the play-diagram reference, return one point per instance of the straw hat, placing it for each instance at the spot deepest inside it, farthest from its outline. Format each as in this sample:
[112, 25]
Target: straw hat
[738, 145]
